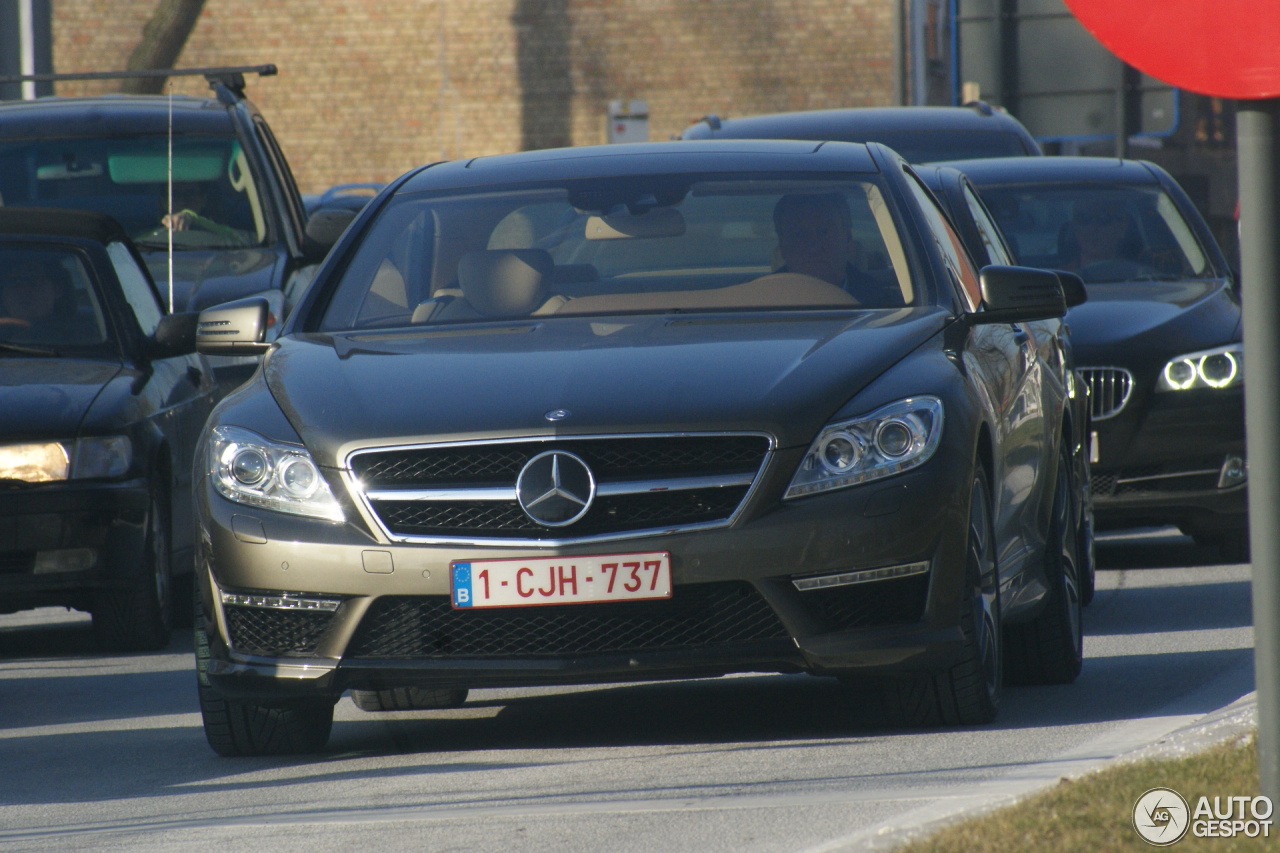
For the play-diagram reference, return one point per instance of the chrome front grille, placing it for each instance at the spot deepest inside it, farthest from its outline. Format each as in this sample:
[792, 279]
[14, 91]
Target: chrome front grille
[467, 492]
[1109, 390]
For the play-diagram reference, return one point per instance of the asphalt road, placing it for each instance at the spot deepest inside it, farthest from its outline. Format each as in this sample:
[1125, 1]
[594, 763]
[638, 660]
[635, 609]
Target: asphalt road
[107, 752]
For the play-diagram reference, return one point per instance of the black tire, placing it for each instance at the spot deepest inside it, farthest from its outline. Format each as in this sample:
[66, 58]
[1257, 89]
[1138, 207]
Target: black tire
[968, 692]
[1050, 648]
[235, 728]
[409, 698]
[1232, 546]
[137, 616]
[1086, 545]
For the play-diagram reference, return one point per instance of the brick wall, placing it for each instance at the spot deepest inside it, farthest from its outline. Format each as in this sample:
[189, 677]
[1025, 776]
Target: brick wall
[370, 88]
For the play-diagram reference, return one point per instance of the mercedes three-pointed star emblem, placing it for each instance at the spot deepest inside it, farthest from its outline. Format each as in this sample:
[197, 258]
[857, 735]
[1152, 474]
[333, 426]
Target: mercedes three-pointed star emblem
[555, 488]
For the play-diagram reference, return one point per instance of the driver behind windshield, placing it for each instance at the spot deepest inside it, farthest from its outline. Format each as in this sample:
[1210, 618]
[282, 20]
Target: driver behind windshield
[1100, 229]
[37, 302]
[191, 212]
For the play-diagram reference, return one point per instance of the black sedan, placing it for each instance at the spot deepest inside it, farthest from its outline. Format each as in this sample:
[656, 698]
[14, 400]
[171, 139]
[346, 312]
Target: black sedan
[640, 412]
[1159, 340]
[102, 398]
[976, 225]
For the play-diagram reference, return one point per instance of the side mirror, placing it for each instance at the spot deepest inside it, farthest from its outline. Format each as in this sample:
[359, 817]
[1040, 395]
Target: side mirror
[234, 328]
[1020, 294]
[326, 225]
[1072, 288]
[175, 335]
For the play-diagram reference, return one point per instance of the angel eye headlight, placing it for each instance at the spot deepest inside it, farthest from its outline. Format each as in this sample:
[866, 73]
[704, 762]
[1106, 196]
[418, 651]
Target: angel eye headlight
[250, 469]
[1216, 368]
[896, 438]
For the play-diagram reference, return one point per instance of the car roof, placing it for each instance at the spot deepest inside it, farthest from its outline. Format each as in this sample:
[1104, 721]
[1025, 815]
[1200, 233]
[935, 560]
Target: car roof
[55, 222]
[1039, 170]
[104, 115]
[647, 158]
[859, 121]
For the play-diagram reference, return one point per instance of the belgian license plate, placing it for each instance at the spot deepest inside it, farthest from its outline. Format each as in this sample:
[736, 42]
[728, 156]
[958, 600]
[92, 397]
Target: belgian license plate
[532, 581]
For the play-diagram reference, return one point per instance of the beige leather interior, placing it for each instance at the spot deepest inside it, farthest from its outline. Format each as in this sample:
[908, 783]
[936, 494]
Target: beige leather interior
[500, 283]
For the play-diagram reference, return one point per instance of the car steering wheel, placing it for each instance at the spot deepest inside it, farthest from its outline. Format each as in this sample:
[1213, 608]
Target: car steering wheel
[186, 238]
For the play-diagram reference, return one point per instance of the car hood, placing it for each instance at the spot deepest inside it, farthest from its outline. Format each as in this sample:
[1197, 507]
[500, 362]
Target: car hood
[1161, 318]
[202, 278]
[782, 375]
[48, 398]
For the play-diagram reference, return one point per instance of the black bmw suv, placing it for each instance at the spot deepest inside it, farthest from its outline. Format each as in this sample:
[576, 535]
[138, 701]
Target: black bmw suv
[919, 134]
[199, 184]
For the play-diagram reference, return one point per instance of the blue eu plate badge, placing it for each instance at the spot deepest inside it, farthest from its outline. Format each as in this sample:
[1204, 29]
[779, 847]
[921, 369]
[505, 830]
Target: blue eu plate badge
[462, 585]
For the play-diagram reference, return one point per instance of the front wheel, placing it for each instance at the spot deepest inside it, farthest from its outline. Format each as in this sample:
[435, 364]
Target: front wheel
[968, 692]
[1050, 648]
[1232, 545]
[233, 727]
[137, 616]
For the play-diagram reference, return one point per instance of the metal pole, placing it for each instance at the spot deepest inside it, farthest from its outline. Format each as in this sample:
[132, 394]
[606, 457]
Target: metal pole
[27, 49]
[1259, 168]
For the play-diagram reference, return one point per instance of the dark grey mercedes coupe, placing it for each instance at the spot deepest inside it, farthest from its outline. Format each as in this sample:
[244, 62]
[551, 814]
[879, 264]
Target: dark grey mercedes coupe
[640, 412]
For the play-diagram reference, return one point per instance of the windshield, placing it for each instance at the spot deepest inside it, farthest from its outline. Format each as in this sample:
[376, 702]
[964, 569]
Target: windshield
[1104, 232]
[634, 245]
[206, 192]
[48, 304]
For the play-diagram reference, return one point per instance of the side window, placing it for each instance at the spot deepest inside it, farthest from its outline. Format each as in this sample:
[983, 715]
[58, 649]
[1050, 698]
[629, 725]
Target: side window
[48, 297]
[949, 244]
[997, 249]
[281, 166]
[138, 291]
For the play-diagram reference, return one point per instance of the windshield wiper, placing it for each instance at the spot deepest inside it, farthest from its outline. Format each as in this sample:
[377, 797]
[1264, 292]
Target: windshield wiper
[25, 350]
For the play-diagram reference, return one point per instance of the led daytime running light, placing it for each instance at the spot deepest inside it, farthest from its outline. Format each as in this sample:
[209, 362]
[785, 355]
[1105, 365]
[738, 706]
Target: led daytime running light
[1216, 369]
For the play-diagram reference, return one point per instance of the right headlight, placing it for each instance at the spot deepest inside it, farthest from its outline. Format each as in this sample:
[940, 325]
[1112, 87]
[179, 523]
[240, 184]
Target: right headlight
[896, 438]
[250, 469]
[1222, 367]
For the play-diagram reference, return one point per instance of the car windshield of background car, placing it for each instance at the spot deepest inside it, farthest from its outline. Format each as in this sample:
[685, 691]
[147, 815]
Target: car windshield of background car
[1104, 232]
[47, 300]
[128, 178]
[637, 245]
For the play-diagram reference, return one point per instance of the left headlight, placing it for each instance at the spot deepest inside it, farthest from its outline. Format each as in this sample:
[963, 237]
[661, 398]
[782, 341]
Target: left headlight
[896, 438]
[250, 469]
[81, 459]
[1222, 367]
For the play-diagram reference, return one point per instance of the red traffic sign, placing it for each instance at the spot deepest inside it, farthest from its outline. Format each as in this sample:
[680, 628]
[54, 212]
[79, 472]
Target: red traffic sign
[1224, 48]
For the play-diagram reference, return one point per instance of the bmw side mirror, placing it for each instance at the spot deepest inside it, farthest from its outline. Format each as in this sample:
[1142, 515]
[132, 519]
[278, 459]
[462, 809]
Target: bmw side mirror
[326, 225]
[1072, 288]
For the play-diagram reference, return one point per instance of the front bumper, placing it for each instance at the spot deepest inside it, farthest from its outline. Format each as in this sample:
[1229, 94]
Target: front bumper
[60, 542]
[1167, 458]
[365, 614]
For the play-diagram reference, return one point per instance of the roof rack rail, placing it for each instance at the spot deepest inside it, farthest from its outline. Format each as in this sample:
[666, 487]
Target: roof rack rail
[981, 107]
[232, 76]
